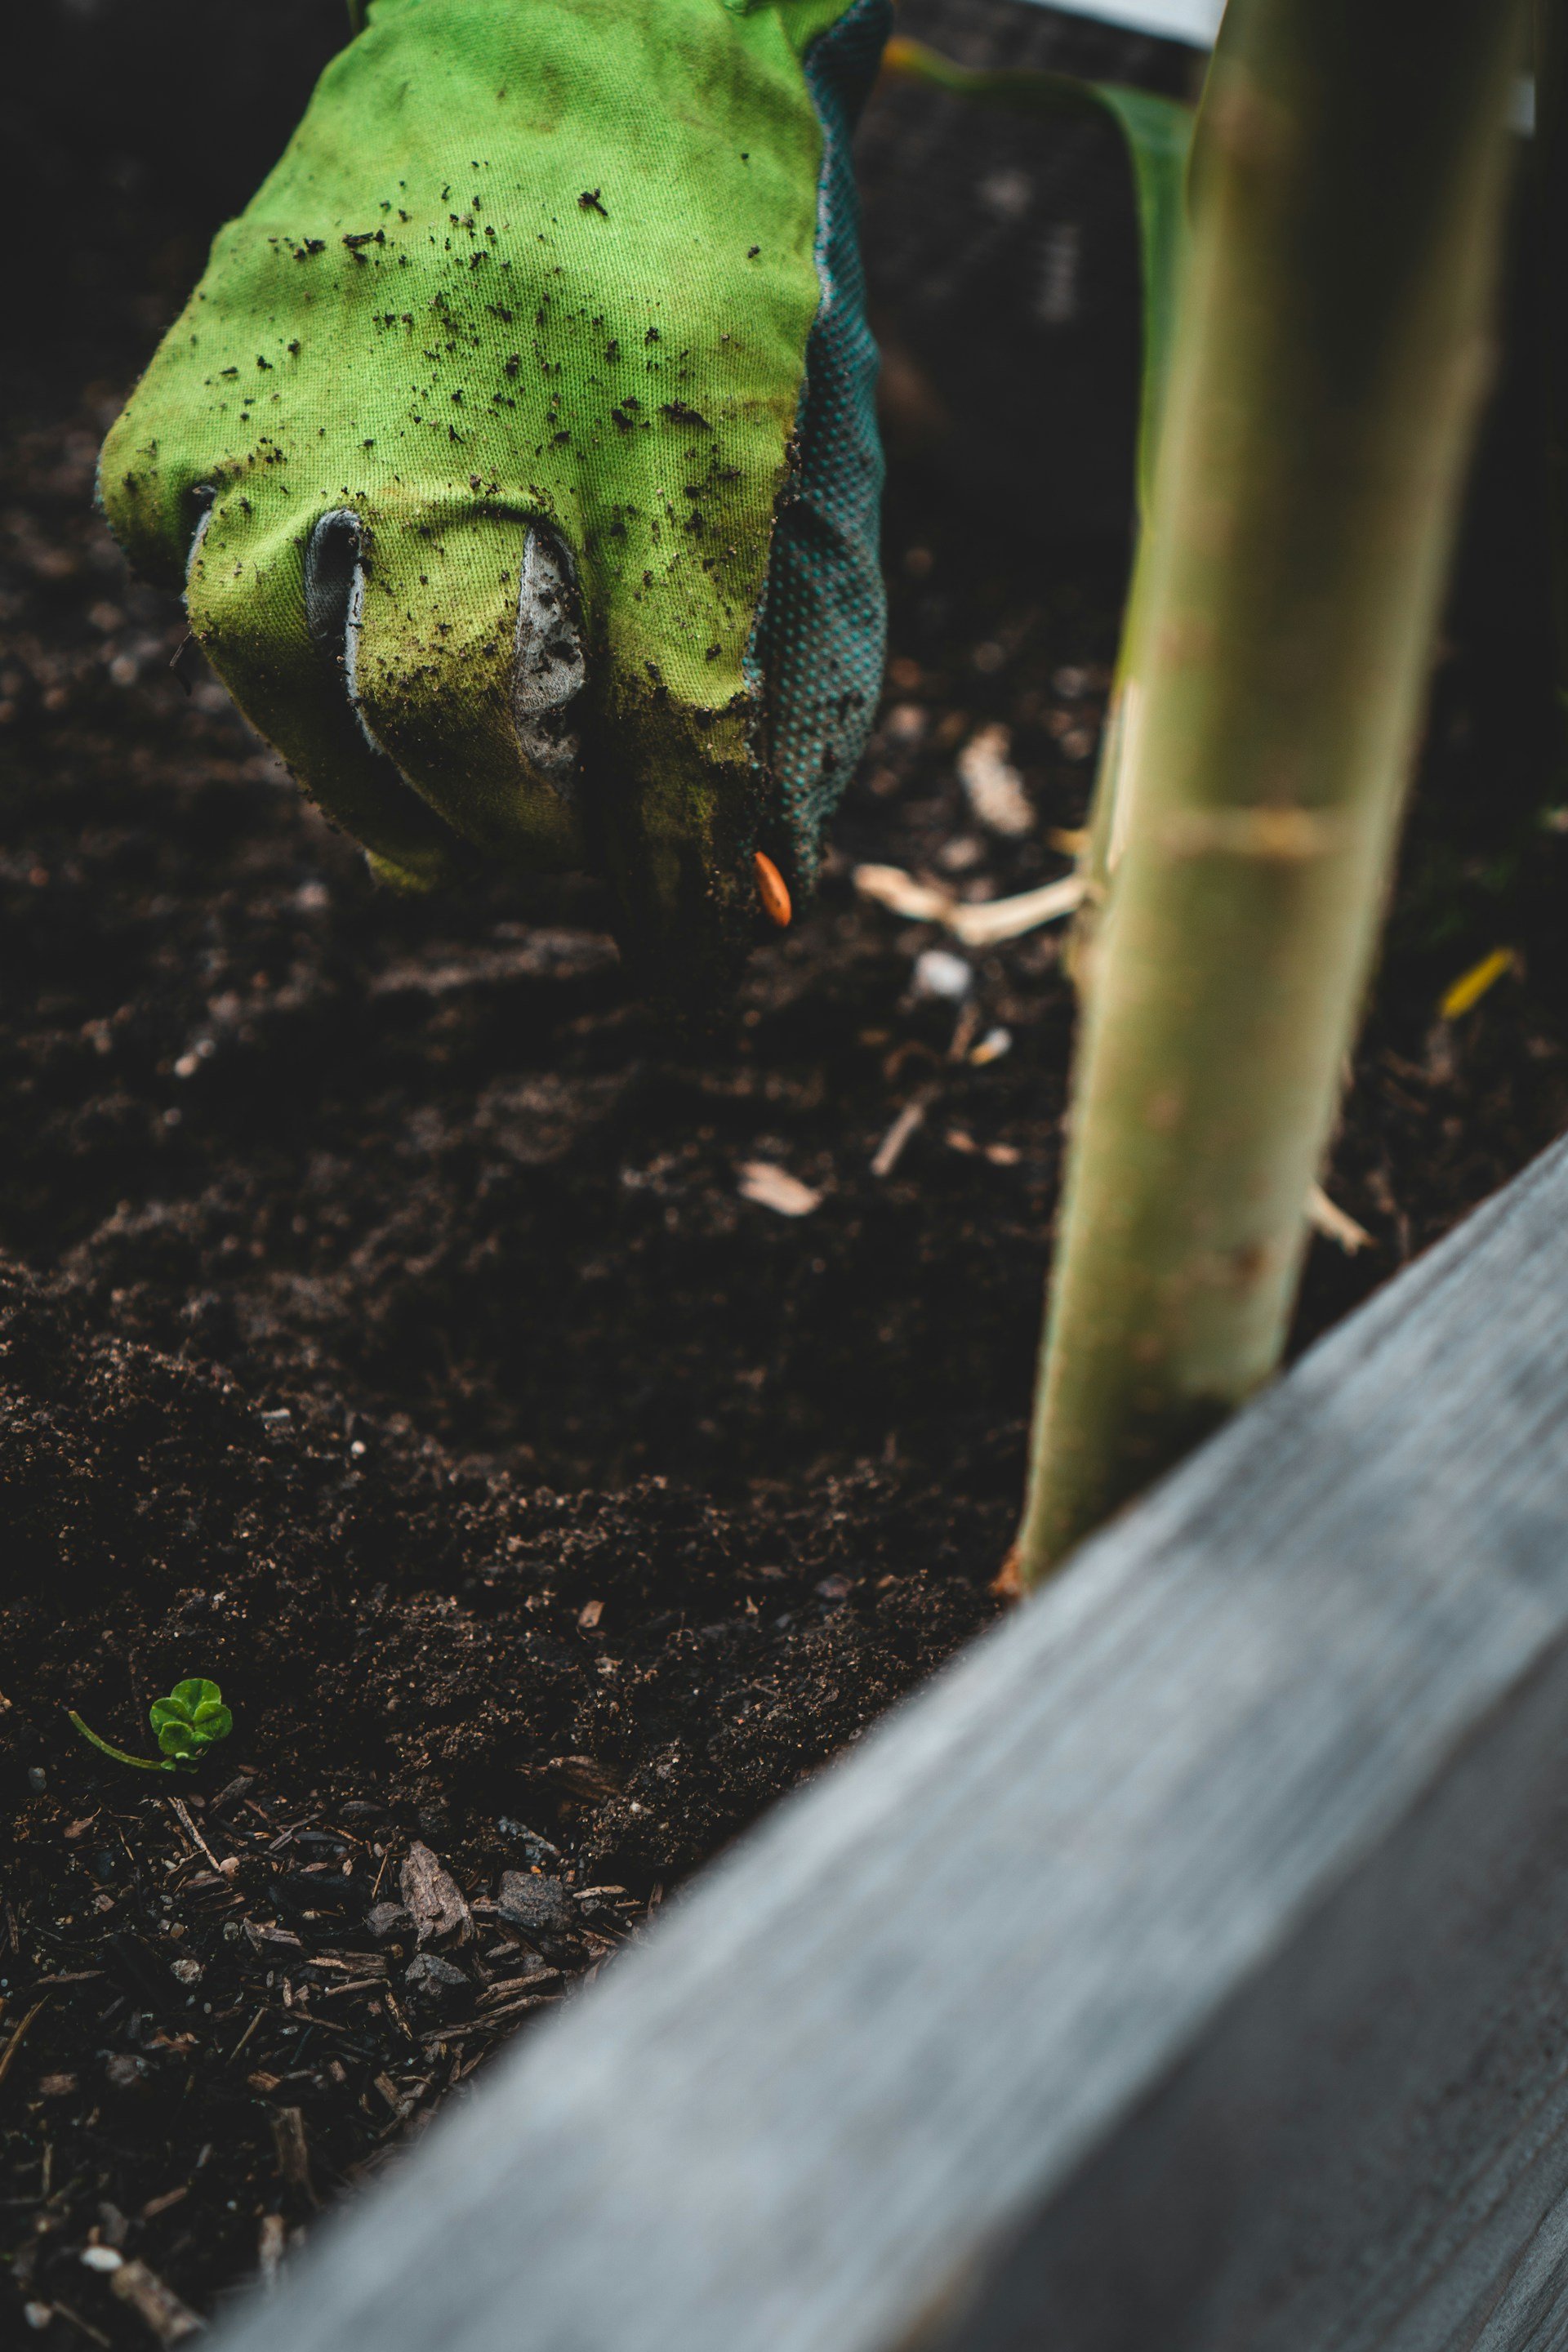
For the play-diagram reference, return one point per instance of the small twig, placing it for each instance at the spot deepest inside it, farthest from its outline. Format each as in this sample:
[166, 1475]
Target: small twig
[15, 2044]
[996, 919]
[88, 2330]
[178, 1805]
[507, 1989]
[983, 924]
[170, 2320]
[271, 2244]
[491, 2020]
[246, 2036]
[890, 1149]
[293, 2149]
[964, 1030]
[403, 2106]
[1336, 1224]
[398, 2019]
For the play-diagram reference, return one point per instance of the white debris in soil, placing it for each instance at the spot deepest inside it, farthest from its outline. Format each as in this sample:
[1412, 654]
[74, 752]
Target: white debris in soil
[941, 973]
[1336, 1224]
[995, 789]
[890, 1152]
[776, 1189]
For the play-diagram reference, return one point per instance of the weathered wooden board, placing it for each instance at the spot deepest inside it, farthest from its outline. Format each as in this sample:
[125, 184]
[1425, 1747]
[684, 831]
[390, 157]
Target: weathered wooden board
[1186, 1966]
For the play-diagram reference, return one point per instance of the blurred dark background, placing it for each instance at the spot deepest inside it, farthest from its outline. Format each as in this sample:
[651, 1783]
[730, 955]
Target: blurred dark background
[130, 130]
[1001, 256]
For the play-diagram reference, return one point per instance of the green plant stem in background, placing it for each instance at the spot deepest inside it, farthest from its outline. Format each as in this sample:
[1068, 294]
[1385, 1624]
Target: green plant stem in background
[1331, 348]
[1157, 132]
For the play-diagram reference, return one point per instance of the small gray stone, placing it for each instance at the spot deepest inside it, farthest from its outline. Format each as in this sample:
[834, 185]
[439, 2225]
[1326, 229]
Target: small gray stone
[535, 1849]
[542, 1912]
[433, 1896]
[385, 1921]
[526, 1902]
[436, 1981]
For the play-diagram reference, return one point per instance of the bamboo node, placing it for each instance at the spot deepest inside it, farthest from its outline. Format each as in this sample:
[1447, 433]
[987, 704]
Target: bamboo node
[1283, 836]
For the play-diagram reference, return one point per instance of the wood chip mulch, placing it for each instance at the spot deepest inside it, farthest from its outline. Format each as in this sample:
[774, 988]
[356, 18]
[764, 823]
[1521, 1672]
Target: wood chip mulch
[287, 1992]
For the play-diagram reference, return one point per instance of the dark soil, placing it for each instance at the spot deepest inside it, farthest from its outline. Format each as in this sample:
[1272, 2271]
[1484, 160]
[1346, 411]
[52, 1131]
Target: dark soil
[384, 1333]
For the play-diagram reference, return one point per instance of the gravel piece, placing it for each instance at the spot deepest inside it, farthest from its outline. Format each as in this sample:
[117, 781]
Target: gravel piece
[435, 1982]
[542, 1912]
[433, 1896]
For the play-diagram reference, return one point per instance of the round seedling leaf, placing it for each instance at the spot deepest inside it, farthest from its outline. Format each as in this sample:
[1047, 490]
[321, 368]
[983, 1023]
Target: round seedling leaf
[190, 1719]
[196, 1692]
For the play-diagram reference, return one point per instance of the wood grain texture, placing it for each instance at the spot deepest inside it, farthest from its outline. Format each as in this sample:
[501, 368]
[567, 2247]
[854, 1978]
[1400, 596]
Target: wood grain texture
[1184, 1966]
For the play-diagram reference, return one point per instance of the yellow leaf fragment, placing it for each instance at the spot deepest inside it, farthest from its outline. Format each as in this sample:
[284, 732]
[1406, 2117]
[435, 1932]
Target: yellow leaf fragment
[1472, 985]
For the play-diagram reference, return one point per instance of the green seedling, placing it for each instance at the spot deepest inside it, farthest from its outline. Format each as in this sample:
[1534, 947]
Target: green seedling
[187, 1723]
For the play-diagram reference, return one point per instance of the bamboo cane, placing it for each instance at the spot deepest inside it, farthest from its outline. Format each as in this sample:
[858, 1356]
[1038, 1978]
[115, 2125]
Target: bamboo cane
[1332, 348]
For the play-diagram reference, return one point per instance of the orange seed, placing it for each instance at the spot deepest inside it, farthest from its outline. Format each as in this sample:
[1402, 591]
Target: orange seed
[774, 891]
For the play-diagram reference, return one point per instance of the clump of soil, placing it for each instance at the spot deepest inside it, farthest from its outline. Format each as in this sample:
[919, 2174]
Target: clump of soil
[399, 1328]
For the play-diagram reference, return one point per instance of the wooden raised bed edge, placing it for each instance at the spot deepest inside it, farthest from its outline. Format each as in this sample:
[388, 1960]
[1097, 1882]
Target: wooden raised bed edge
[1183, 1967]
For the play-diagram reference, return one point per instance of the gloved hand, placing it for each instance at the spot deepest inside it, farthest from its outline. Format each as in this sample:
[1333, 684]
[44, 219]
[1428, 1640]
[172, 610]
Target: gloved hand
[516, 451]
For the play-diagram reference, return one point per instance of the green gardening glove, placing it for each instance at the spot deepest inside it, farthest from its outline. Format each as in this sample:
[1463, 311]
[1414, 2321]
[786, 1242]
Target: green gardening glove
[516, 452]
